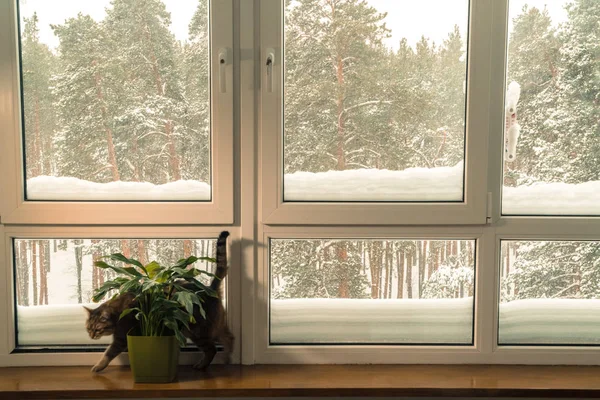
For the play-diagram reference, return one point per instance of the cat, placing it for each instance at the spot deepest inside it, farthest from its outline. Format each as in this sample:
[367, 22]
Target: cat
[104, 320]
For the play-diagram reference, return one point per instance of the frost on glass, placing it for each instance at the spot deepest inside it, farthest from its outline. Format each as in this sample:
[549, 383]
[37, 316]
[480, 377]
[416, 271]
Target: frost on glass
[374, 95]
[549, 293]
[371, 291]
[55, 277]
[552, 135]
[116, 99]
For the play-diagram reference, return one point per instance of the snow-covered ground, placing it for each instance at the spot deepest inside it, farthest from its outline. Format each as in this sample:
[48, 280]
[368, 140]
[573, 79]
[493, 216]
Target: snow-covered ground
[546, 321]
[552, 199]
[68, 188]
[550, 321]
[54, 325]
[412, 184]
[376, 321]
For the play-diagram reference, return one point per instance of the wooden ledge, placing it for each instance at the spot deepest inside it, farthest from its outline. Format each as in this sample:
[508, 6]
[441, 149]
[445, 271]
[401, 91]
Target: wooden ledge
[307, 380]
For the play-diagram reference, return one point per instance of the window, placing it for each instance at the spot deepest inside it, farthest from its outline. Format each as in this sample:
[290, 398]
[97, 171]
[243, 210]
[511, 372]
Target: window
[120, 102]
[56, 277]
[549, 293]
[374, 101]
[403, 181]
[377, 106]
[105, 117]
[372, 291]
[552, 112]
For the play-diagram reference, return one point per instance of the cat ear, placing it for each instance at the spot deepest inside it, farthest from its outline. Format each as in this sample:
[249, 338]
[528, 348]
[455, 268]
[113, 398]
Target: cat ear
[89, 310]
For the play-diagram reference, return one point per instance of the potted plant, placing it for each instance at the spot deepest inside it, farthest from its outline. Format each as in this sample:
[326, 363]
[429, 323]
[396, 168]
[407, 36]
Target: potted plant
[160, 305]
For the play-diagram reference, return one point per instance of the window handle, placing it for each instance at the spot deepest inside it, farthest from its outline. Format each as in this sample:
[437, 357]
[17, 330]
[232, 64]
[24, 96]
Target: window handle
[270, 61]
[223, 62]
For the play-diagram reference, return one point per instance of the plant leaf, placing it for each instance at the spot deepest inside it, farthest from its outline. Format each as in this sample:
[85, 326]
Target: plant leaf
[127, 311]
[119, 270]
[122, 258]
[153, 268]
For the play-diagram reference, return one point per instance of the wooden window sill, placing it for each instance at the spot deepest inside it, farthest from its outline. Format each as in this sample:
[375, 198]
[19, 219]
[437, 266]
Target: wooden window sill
[307, 380]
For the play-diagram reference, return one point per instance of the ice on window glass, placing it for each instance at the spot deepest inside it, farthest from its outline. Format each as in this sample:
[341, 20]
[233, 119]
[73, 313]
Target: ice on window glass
[549, 293]
[552, 121]
[116, 99]
[374, 95]
[331, 291]
[55, 277]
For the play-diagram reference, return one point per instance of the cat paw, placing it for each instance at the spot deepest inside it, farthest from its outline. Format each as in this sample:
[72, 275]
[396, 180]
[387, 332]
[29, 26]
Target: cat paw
[200, 366]
[99, 366]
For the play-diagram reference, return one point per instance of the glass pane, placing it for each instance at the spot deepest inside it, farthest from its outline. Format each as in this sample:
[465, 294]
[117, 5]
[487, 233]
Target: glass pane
[375, 100]
[341, 291]
[55, 277]
[552, 139]
[116, 99]
[549, 293]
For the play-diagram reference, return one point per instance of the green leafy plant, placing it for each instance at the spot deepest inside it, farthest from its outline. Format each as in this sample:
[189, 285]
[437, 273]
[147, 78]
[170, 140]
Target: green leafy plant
[164, 296]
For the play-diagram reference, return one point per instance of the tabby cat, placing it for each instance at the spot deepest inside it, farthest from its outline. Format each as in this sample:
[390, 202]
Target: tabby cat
[104, 320]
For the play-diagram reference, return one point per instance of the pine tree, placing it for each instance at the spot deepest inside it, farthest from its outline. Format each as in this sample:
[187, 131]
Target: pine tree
[150, 91]
[86, 102]
[38, 66]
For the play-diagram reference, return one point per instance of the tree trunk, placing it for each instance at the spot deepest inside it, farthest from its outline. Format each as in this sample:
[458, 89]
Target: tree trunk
[174, 163]
[126, 248]
[187, 248]
[388, 265]
[24, 268]
[79, 266]
[34, 258]
[400, 270]
[43, 274]
[112, 159]
[37, 163]
[142, 253]
[344, 286]
[375, 267]
[409, 261]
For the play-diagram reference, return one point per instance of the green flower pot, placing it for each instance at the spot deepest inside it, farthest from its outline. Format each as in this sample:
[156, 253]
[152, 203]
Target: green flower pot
[153, 359]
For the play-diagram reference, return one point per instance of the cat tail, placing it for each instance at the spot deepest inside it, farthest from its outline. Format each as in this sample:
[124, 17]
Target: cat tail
[221, 272]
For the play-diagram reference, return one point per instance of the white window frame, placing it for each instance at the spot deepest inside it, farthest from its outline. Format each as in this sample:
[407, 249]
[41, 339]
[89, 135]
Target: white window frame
[253, 210]
[276, 219]
[8, 356]
[474, 208]
[14, 209]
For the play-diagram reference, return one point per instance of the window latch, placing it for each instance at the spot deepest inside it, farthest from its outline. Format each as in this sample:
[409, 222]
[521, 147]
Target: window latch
[223, 62]
[269, 63]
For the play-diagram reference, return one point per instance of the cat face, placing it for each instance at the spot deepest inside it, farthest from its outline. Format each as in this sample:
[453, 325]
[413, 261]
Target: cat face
[100, 322]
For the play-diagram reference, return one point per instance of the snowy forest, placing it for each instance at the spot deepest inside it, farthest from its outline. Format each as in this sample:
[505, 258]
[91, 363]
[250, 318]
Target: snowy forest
[122, 100]
[61, 271]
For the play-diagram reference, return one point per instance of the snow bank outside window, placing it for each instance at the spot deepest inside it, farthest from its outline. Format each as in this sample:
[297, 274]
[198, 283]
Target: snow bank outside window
[412, 184]
[550, 321]
[67, 188]
[544, 321]
[55, 325]
[552, 199]
[372, 321]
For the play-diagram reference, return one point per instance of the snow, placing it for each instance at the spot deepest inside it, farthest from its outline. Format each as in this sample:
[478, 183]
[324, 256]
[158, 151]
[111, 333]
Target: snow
[68, 188]
[552, 199]
[550, 321]
[412, 184]
[436, 321]
[54, 325]
[371, 320]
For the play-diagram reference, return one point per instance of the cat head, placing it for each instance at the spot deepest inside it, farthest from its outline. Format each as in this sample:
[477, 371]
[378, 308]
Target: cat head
[100, 321]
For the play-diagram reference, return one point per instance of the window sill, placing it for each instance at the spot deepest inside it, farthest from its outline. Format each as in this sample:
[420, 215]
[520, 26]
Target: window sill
[308, 381]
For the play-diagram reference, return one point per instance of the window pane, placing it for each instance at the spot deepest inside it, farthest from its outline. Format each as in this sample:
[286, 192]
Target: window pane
[54, 277]
[372, 291]
[116, 99]
[549, 293]
[552, 141]
[375, 100]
